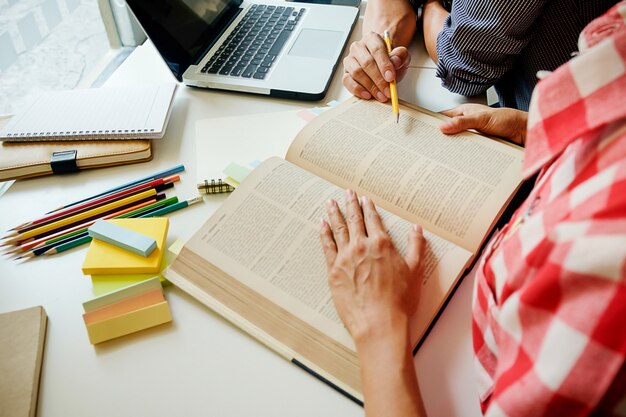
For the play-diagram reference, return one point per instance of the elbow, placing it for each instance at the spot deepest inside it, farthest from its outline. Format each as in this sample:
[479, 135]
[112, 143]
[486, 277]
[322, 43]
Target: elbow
[462, 81]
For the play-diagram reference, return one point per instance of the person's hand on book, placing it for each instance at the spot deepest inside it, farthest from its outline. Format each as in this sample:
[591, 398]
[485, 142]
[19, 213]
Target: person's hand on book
[374, 288]
[369, 68]
[502, 122]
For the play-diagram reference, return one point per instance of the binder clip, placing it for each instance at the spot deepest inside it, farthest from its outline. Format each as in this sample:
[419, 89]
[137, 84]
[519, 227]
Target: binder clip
[215, 187]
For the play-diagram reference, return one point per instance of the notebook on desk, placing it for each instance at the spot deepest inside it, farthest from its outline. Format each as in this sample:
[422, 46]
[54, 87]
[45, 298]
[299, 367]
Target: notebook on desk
[281, 49]
[129, 112]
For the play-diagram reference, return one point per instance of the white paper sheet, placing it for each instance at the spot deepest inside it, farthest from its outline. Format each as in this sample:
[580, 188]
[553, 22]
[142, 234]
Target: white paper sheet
[242, 139]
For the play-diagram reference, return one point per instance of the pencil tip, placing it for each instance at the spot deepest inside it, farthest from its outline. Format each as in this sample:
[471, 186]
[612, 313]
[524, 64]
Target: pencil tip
[11, 251]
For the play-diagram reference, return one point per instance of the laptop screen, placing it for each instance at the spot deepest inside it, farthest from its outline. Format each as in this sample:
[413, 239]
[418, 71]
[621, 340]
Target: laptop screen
[183, 30]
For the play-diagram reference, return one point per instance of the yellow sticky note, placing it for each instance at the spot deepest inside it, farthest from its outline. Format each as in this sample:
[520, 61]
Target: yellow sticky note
[129, 323]
[104, 258]
[104, 283]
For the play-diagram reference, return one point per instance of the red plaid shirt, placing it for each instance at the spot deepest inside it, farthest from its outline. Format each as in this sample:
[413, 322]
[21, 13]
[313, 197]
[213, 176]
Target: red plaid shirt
[549, 319]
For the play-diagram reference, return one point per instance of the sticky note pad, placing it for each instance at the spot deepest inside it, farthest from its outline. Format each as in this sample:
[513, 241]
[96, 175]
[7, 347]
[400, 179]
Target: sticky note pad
[122, 237]
[126, 311]
[104, 258]
[102, 284]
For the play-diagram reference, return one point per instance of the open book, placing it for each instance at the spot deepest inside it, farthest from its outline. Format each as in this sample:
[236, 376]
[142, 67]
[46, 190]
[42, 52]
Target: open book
[258, 260]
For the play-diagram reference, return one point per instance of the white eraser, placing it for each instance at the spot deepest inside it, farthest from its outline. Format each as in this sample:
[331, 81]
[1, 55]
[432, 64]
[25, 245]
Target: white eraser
[122, 237]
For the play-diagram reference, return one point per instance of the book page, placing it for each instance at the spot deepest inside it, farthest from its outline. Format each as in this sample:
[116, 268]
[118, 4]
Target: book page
[453, 185]
[266, 235]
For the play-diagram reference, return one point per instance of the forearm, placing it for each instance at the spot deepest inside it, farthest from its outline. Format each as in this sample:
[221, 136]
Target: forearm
[390, 384]
[395, 16]
[433, 17]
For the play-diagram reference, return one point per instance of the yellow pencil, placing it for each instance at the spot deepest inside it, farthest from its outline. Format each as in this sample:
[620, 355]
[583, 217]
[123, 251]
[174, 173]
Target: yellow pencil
[392, 85]
[84, 215]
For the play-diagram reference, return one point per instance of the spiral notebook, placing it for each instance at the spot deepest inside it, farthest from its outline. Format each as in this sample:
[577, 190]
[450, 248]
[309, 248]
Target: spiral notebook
[138, 112]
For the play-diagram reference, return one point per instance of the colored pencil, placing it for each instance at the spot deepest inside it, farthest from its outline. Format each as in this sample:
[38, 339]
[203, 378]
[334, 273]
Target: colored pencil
[161, 174]
[43, 249]
[174, 207]
[127, 213]
[50, 238]
[20, 240]
[69, 245]
[80, 233]
[85, 215]
[157, 184]
[147, 213]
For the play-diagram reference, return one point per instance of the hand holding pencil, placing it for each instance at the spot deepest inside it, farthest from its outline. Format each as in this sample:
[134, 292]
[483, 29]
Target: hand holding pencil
[370, 67]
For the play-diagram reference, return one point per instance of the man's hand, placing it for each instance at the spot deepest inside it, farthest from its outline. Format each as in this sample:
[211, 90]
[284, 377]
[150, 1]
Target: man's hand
[374, 288]
[368, 67]
[503, 122]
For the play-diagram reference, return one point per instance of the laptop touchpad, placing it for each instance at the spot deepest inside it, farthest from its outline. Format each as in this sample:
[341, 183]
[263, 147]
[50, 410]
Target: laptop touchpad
[315, 43]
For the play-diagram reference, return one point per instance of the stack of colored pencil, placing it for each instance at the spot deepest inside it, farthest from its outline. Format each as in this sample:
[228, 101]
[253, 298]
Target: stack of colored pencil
[66, 227]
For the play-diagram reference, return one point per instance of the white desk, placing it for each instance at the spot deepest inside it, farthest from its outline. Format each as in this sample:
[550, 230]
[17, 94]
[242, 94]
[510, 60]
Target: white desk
[199, 365]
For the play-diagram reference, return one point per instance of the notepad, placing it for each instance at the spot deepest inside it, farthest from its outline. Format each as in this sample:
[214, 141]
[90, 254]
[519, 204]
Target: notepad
[137, 112]
[22, 337]
[104, 258]
[126, 311]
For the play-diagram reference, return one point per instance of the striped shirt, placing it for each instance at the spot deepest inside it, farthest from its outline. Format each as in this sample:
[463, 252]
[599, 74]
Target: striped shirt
[549, 307]
[504, 43]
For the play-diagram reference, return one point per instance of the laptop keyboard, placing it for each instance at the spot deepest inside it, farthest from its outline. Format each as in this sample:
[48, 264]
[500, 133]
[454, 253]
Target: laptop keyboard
[252, 47]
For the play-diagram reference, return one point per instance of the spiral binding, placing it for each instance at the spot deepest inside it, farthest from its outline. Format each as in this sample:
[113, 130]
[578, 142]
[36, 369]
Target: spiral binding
[215, 187]
[112, 134]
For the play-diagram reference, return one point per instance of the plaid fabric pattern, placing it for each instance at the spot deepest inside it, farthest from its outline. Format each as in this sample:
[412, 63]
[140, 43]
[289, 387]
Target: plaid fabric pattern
[549, 308]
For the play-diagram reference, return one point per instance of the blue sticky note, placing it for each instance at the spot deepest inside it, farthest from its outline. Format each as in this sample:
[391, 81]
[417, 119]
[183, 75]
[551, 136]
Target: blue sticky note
[122, 237]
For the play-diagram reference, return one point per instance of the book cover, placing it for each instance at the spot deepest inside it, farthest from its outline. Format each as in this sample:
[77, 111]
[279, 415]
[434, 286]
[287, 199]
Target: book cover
[22, 340]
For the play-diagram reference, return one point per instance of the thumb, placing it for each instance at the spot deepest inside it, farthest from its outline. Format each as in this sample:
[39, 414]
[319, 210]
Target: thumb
[458, 124]
[415, 248]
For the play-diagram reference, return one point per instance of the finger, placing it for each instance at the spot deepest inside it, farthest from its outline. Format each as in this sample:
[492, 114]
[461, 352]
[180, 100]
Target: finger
[378, 50]
[458, 124]
[328, 244]
[456, 111]
[370, 66]
[337, 224]
[415, 248]
[400, 58]
[355, 88]
[373, 223]
[356, 71]
[354, 215]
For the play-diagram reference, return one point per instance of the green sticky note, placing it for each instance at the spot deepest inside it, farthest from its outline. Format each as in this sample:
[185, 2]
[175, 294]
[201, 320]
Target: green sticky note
[236, 172]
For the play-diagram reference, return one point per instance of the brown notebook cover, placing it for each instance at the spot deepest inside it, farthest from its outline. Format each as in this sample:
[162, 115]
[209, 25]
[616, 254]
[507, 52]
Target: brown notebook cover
[32, 159]
[22, 337]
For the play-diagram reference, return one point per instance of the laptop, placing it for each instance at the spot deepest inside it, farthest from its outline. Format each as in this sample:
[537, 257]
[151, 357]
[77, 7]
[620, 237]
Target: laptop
[280, 49]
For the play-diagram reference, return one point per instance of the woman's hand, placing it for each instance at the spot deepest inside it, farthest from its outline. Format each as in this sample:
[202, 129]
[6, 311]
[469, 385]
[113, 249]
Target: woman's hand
[502, 122]
[374, 288]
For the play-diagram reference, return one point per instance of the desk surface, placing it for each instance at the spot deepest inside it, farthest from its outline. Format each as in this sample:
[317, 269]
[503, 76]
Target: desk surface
[199, 364]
